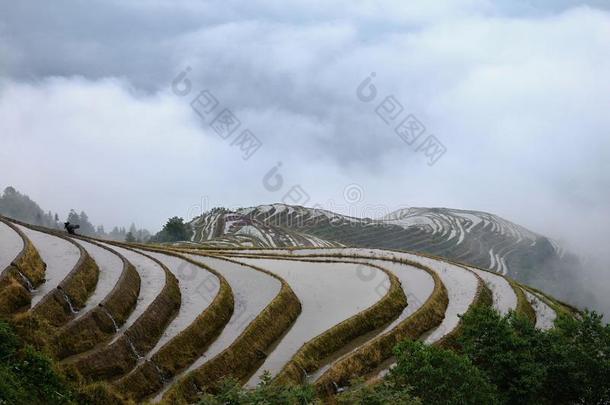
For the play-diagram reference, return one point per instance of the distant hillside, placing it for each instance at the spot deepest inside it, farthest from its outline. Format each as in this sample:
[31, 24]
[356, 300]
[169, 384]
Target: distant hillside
[224, 228]
[13, 204]
[19, 206]
[473, 237]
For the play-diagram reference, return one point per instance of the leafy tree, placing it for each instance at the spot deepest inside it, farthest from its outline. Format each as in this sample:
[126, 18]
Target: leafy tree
[73, 217]
[19, 206]
[218, 210]
[440, 376]
[578, 360]
[565, 365]
[231, 392]
[509, 349]
[386, 392]
[82, 219]
[174, 230]
[130, 238]
[143, 235]
[117, 234]
[86, 227]
[9, 342]
[28, 376]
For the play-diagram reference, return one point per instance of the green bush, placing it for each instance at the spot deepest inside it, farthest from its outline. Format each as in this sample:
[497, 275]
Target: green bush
[387, 392]
[174, 230]
[501, 359]
[509, 350]
[11, 389]
[565, 365]
[578, 361]
[9, 342]
[26, 375]
[440, 376]
[267, 393]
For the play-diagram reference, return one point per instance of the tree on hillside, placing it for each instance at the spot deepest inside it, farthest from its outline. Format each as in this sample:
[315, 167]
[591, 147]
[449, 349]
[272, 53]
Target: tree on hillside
[230, 391]
[138, 235]
[569, 364]
[86, 227]
[219, 210]
[117, 234]
[19, 206]
[73, 218]
[100, 231]
[440, 376]
[143, 235]
[174, 230]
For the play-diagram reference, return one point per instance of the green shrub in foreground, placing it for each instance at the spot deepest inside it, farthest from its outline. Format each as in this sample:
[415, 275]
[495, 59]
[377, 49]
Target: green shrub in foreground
[232, 393]
[26, 375]
[438, 375]
[565, 365]
[386, 392]
[509, 350]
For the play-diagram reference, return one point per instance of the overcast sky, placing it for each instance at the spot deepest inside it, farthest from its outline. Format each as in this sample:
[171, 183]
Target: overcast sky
[517, 92]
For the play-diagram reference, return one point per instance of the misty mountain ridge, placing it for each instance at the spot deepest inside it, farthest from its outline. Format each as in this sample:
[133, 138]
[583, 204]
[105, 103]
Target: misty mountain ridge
[473, 237]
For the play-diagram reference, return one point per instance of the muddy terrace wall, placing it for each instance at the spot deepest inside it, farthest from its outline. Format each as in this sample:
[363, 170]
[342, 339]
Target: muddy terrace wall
[247, 352]
[369, 356]
[119, 358]
[483, 297]
[308, 358]
[14, 294]
[523, 306]
[184, 348]
[96, 326]
[78, 286]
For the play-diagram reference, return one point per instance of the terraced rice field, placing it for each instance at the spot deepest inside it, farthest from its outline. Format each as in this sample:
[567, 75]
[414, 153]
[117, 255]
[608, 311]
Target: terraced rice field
[166, 324]
[545, 315]
[152, 278]
[504, 297]
[60, 256]
[198, 289]
[417, 284]
[321, 289]
[10, 245]
[253, 291]
[111, 267]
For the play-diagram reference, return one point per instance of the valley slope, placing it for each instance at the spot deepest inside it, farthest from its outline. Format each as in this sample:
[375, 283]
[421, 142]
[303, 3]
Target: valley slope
[472, 237]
